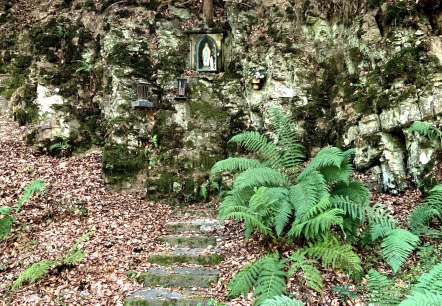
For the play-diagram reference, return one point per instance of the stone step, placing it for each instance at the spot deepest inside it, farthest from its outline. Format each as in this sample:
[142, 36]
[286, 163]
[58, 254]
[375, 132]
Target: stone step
[195, 256]
[194, 213]
[199, 277]
[196, 225]
[162, 297]
[189, 241]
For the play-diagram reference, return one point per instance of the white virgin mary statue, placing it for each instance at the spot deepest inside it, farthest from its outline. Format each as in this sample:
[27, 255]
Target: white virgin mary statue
[206, 56]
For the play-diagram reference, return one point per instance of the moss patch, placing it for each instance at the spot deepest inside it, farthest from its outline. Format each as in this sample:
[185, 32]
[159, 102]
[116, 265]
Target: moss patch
[169, 259]
[120, 163]
[140, 63]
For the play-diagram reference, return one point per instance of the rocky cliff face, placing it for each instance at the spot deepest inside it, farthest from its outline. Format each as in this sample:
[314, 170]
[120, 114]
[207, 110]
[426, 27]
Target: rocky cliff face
[351, 73]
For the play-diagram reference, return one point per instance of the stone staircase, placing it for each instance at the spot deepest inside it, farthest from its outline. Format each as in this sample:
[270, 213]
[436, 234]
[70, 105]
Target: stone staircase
[187, 267]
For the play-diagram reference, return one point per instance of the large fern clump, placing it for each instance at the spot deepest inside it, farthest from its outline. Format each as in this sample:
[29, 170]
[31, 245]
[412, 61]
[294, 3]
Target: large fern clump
[273, 194]
[319, 203]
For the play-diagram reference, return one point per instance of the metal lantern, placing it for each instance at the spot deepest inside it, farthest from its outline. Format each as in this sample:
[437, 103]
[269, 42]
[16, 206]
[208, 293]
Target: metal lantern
[142, 96]
[181, 90]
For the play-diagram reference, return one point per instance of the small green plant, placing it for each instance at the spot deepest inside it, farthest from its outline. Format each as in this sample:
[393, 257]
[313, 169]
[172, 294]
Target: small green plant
[7, 220]
[39, 269]
[60, 148]
[85, 67]
[426, 129]
[345, 293]
[203, 191]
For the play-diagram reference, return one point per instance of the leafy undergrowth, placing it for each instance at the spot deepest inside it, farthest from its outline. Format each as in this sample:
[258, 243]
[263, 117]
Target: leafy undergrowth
[76, 201]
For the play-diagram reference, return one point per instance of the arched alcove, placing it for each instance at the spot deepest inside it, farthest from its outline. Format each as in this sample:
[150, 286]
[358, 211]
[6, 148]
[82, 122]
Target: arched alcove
[206, 54]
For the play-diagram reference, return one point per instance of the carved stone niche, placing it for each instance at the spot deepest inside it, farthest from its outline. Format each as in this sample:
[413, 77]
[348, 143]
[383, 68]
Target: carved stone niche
[206, 51]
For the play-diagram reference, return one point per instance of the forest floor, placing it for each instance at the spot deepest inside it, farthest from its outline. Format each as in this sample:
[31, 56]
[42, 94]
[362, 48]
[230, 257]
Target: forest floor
[124, 227]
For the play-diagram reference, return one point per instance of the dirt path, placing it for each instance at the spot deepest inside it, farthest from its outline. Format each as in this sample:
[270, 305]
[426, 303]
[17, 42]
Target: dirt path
[124, 225]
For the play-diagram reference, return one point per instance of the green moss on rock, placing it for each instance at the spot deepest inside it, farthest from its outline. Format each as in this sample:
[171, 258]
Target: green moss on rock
[120, 163]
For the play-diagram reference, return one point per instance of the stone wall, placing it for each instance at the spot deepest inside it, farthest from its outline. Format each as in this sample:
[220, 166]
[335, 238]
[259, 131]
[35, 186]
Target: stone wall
[353, 73]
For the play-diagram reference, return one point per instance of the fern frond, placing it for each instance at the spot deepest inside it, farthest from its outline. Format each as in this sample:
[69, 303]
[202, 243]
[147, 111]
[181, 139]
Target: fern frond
[256, 177]
[271, 281]
[381, 290]
[420, 218]
[34, 272]
[244, 280]
[261, 206]
[234, 164]
[307, 193]
[318, 220]
[251, 220]
[287, 134]
[282, 300]
[354, 190]
[5, 226]
[423, 299]
[378, 215]
[379, 230]
[236, 200]
[311, 273]
[37, 185]
[353, 209]
[430, 281]
[425, 129]
[256, 142]
[75, 255]
[397, 246]
[283, 216]
[329, 156]
[335, 255]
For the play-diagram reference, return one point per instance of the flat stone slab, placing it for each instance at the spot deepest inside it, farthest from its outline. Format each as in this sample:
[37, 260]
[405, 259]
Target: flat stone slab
[197, 225]
[199, 277]
[196, 213]
[186, 256]
[189, 241]
[162, 297]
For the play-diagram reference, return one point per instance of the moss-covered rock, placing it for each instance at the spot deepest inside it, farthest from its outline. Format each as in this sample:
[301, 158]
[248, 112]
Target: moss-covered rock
[121, 163]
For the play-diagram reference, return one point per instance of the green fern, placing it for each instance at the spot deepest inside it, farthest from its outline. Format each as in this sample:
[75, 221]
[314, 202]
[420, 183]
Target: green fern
[335, 255]
[257, 143]
[381, 290]
[7, 220]
[37, 185]
[423, 299]
[282, 300]
[317, 221]
[313, 278]
[234, 164]
[426, 130]
[34, 272]
[75, 255]
[429, 210]
[430, 281]
[245, 279]
[41, 268]
[271, 281]
[5, 226]
[255, 177]
[397, 246]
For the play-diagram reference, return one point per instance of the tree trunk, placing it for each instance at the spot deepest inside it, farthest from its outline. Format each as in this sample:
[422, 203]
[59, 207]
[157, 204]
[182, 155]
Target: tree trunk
[208, 12]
